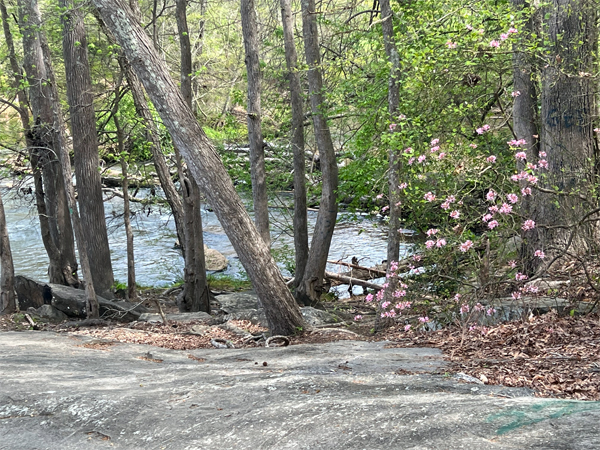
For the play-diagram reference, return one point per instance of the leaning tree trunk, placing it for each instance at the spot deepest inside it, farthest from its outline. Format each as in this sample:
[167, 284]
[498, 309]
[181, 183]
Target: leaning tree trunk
[141, 108]
[311, 287]
[257, 150]
[44, 136]
[393, 243]
[526, 125]
[205, 165]
[568, 112]
[195, 295]
[300, 219]
[8, 304]
[85, 147]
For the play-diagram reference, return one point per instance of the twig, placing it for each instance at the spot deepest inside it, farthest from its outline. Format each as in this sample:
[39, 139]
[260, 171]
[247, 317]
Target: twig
[161, 312]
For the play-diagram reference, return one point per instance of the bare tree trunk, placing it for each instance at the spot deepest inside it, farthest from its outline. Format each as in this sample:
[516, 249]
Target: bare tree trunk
[158, 157]
[300, 219]
[205, 165]
[526, 125]
[311, 288]
[568, 111]
[195, 295]
[197, 51]
[45, 139]
[8, 304]
[393, 243]
[85, 147]
[257, 150]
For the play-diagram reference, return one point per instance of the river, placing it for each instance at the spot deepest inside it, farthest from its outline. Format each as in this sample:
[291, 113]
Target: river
[159, 264]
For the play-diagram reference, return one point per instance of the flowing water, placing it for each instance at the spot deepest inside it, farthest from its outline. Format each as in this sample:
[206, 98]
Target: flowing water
[158, 263]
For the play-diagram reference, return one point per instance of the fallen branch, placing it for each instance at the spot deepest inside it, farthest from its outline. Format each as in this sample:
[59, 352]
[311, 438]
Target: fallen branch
[373, 273]
[353, 281]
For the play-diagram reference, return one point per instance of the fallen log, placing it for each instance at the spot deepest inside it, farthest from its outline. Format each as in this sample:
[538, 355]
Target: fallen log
[371, 272]
[352, 281]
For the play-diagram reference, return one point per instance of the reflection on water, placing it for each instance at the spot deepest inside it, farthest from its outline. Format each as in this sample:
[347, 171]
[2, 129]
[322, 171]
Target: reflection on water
[157, 262]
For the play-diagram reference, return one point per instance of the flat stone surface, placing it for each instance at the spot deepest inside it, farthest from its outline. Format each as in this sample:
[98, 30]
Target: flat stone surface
[178, 317]
[57, 394]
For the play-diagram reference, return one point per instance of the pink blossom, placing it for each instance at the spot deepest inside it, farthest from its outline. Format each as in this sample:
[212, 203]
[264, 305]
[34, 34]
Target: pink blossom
[393, 126]
[483, 129]
[487, 217]
[408, 150]
[403, 186]
[358, 317]
[540, 254]
[515, 93]
[491, 195]
[429, 197]
[469, 27]
[531, 166]
[451, 199]
[369, 298]
[526, 191]
[522, 156]
[543, 154]
[379, 196]
[503, 36]
[451, 44]
[512, 264]
[543, 163]
[478, 307]
[399, 293]
[385, 305]
[532, 179]
[442, 155]
[385, 208]
[440, 243]
[528, 225]
[513, 198]
[490, 311]
[411, 161]
[495, 44]
[417, 258]
[407, 327]
[424, 319]
[512, 30]
[432, 231]
[473, 145]
[493, 224]
[505, 209]
[532, 289]
[516, 295]
[493, 209]
[429, 244]
[466, 246]
[435, 142]
[455, 214]
[403, 305]
[401, 117]
[464, 308]
[435, 149]
[520, 276]
[379, 295]
[457, 297]
[445, 205]
[491, 159]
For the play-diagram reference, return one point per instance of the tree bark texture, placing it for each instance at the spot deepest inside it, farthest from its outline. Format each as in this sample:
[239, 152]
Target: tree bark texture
[300, 218]
[283, 315]
[44, 137]
[526, 125]
[195, 295]
[255, 137]
[311, 288]
[568, 111]
[394, 156]
[85, 147]
[160, 164]
[7, 280]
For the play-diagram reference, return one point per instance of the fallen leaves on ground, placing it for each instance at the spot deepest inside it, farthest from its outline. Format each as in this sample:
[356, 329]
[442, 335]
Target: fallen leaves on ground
[555, 356]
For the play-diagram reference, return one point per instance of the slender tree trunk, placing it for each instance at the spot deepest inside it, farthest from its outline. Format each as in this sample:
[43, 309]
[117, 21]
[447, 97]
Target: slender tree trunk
[206, 167]
[311, 288]
[195, 295]
[85, 147]
[257, 150]
[8, 303]
[300, 219]
[526, 125]
[568, 111]
[152, 135]
[393, 243]
[45, 140]
[197, 51]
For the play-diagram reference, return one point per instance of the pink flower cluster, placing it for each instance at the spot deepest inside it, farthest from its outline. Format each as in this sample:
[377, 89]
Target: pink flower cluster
[483, 129]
